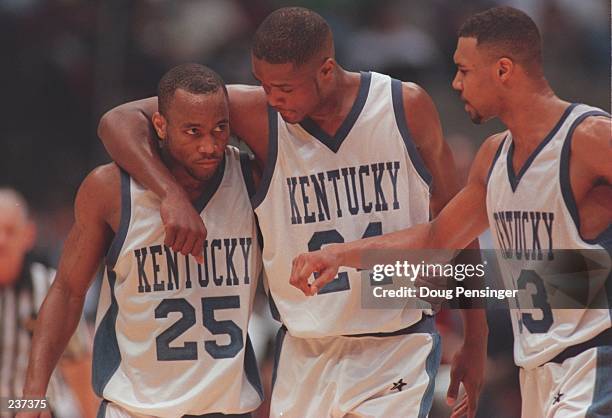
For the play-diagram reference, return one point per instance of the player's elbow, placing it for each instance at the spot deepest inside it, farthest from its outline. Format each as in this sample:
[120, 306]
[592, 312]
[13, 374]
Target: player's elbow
[117, 118]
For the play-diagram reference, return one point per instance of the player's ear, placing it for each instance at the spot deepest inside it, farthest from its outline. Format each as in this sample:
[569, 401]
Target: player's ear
[504, 69]
[159, 123]
[327, 68]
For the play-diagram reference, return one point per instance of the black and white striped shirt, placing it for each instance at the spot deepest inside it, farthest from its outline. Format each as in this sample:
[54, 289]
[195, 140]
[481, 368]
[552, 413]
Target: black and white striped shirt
[19, 305]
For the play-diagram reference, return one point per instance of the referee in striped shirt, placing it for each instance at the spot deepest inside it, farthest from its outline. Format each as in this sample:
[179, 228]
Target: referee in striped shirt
[23, 287]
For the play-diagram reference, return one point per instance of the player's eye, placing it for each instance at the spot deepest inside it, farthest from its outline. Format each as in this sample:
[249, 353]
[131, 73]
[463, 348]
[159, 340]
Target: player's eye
[286, 89]
[220, 128]
[192, 131]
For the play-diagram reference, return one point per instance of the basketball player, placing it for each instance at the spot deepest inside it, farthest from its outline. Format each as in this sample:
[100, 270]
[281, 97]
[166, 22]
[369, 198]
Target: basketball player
[345, 155]
[171, 334]
[551, 170]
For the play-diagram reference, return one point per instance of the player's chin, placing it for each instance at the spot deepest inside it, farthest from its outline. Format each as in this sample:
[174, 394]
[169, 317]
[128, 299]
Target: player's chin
[291, 117]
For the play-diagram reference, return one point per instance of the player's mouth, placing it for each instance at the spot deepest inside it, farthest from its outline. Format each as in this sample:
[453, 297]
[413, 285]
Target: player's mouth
[208, 162]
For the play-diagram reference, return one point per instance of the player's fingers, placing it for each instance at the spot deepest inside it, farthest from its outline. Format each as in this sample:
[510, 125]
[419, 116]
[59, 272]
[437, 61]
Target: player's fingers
[170, 236]
[326, 276]
[472, 398]
[460, 409]
[453, 388]
[190, 239]
[298, 280]
[179, 241]
[198, 250]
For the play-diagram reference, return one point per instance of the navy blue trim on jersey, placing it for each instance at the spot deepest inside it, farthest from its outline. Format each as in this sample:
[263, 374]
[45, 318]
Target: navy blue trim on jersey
[564, 179]
[102, 409]
[278, 346]
[603, 339]
[402, 126]
[431, 367]
[273, 308]
[426, 324]
[270, 163]
[124, 223]
[247, 173]
[334, 142]
[495, 158]
[516, 178]
[250, 368]
[601, 405]
[211, 187]
[106, 354]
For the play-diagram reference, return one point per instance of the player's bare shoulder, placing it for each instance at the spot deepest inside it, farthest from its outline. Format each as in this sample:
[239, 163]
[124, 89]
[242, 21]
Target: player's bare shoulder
[248, 117]
[592, 145]
[99, 196]
[486, 156]
[421, 115]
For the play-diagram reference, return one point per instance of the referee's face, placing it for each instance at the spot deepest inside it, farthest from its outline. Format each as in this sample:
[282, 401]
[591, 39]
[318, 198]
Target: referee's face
[16, 239]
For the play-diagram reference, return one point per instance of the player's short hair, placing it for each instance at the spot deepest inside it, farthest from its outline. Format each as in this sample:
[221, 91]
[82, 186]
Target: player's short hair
[14, 197]
[193, 78]
[290, 35]
[507, 31]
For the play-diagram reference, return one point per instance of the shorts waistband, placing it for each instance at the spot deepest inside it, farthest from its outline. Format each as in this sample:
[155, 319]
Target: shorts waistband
[426, 325]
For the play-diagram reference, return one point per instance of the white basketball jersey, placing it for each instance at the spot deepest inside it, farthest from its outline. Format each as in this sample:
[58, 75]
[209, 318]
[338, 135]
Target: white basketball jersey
[366, 180]
[532, 215]
[171, 334]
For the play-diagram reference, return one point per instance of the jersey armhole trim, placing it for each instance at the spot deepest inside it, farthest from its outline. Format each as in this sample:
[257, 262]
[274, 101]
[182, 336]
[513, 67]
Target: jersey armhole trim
[126, 212]
[247, 173]
[566, 186]
[495, 158]
[268, 171]
[400, 119]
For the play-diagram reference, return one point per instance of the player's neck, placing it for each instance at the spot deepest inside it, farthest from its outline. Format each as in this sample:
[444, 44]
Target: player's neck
[191, 185]
[338, 101]
[531, 116]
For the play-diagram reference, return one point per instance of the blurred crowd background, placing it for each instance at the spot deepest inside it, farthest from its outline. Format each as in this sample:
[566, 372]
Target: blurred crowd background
[66, 62]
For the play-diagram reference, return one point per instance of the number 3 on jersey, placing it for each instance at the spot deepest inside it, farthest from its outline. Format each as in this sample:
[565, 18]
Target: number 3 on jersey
[332, 236]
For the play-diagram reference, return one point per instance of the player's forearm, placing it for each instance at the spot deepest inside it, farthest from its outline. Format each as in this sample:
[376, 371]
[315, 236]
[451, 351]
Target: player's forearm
[128, 137]
[475, 327]
[56, 322]
[355, 254]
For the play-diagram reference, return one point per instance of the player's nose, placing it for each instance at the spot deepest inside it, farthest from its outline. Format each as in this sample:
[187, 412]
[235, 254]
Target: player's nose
[207, 145]
[275, 99]
[457, 83]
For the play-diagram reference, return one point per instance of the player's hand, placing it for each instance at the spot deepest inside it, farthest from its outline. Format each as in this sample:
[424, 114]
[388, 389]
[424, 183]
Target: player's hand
[325, 262]
[467, 368]
[184, 228]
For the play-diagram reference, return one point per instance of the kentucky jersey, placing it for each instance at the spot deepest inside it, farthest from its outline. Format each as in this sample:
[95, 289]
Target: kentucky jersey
[533, 215]
[171, 334]
[317, 189]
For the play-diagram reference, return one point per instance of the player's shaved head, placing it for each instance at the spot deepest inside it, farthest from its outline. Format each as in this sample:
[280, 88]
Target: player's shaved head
[193, 78]
[507, 32]
[292, 35]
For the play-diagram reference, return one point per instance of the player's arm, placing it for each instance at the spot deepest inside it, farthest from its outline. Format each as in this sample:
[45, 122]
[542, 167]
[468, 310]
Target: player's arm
[591, 171]
[87, 242]
[127, 135]
[592, 144]
[424, 124]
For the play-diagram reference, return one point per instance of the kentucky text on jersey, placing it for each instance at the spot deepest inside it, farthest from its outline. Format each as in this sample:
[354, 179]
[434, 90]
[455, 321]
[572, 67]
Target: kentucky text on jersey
[523, 234]
[350, 196]
[166, 272]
